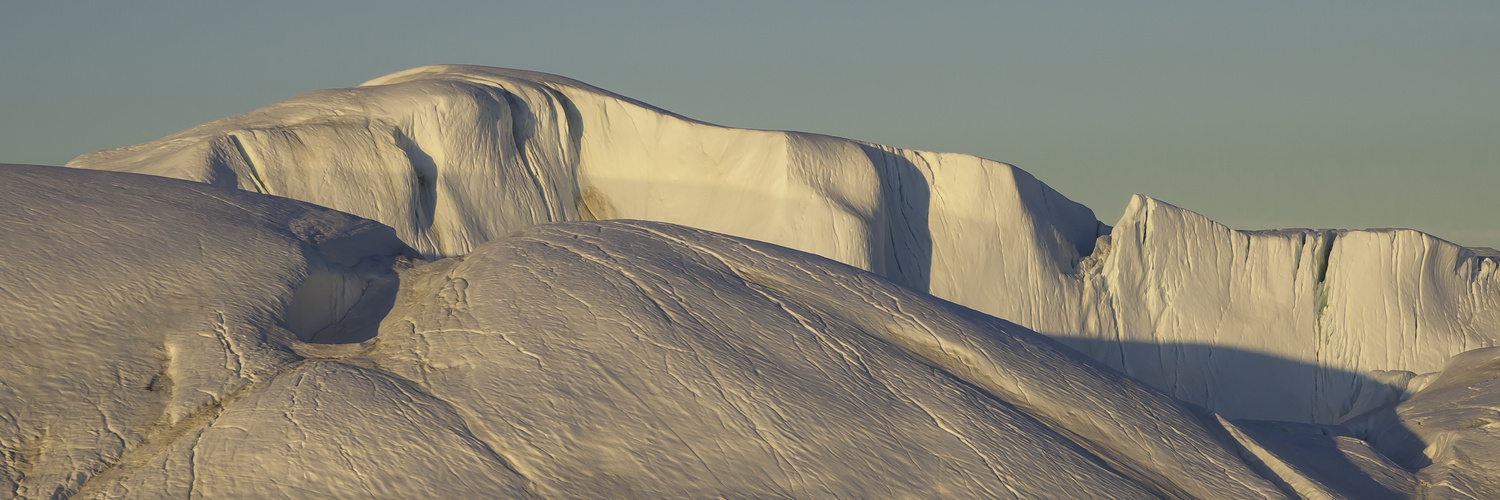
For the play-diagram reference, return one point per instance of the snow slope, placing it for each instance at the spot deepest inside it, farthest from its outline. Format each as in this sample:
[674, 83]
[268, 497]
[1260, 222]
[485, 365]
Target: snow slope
[136, 305]
[155, 346]
[1447, 427]
[1286, 325]
[733, 367]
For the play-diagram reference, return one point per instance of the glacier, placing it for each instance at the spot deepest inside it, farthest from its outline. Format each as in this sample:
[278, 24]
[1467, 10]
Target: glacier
[452, 156]
[459, 281]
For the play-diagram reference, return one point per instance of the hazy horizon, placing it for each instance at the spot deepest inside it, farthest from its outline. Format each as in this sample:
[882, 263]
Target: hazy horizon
[1274, 114]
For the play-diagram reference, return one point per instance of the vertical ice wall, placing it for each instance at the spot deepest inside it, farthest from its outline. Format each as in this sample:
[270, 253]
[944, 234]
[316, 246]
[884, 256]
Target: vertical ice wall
[1285, 324]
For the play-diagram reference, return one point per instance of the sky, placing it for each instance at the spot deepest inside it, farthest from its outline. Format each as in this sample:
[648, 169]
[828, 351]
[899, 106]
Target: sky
[1266, 114]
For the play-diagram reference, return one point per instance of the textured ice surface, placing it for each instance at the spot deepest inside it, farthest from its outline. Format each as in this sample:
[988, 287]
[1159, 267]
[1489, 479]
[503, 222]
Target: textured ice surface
[1286, 325]
[666, 361]
[156, 344]
[1320, 461]
[148, 353]
[1449, 427]
[133, 306]
[321, 429]
[452, 156]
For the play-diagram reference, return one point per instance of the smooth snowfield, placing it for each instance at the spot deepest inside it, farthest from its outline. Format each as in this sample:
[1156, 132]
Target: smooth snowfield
[152, 350]
[1291, 325]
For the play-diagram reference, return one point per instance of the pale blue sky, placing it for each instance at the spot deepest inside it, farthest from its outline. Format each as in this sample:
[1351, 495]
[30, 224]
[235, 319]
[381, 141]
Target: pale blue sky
[1262, 114]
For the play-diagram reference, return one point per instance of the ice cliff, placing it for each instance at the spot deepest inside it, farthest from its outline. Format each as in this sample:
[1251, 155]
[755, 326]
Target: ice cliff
[1282, 324]
[1288, 324]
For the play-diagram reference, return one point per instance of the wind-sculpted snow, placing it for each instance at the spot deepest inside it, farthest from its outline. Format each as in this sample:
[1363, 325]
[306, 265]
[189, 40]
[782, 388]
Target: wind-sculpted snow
[1447, 428]
[664, 361]
[323, 429]
[170, 339]
[134, 306]
[151, 351]
[1290, 325]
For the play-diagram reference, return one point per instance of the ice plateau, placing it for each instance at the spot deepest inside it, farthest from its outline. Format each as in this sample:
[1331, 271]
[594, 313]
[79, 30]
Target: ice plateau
[1284, 325]
[546, 289]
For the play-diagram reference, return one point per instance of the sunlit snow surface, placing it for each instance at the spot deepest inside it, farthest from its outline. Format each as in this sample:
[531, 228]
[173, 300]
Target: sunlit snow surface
[170, 338]
[134, 306]
[1282, 325]
[147, 357]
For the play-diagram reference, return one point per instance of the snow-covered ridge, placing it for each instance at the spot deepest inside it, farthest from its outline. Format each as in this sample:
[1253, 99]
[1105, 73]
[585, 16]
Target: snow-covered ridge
[453, 156]
[150, 352]
[153, 349]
